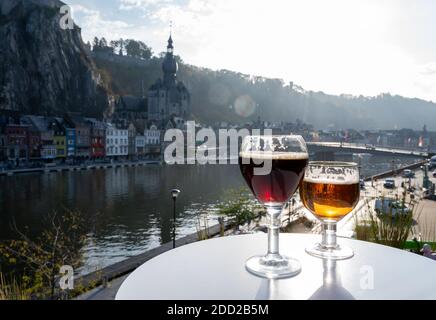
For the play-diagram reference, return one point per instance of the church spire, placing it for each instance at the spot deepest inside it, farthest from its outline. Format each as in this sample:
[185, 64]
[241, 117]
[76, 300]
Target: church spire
[169, 65]
[170, 48]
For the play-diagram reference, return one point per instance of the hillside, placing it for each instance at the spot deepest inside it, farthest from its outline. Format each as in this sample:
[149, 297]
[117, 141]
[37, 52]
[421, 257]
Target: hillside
[43, 68]
[230, 96]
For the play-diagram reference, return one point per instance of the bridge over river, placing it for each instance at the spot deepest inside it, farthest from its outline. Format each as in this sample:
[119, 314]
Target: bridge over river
[327, 150]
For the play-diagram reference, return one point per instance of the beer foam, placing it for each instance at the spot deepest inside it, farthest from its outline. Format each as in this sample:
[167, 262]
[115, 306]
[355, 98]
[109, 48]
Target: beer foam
[352, 179]
[274, 155]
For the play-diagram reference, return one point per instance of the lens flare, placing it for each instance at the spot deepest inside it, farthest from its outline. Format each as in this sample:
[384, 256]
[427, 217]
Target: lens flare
[245, 106]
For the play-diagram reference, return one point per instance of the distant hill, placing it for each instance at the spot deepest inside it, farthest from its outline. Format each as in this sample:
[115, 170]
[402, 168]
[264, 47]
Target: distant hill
[47, 70]
[230, 96]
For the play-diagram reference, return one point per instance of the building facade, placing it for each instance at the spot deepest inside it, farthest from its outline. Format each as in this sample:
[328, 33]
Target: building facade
[132, 134]
[71, 141]
[59, 137]
[129, 109]
[98, 138]
[117, 141]
[82, 128]
[152, 140]
[168, 97]
[140, 146]
[42, 128]
[17, 142]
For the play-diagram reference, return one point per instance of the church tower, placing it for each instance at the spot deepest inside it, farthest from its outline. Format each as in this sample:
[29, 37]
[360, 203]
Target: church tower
[168, 99]
[169, 65]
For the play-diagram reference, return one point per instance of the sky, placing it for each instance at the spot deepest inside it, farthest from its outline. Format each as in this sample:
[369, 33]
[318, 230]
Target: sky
[353, 47]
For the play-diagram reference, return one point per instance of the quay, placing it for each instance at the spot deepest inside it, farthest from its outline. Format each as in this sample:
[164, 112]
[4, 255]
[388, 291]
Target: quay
[84, 167]
[105, 282]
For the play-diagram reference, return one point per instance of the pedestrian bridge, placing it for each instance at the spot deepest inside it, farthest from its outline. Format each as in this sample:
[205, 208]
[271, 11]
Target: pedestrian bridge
[326, 150]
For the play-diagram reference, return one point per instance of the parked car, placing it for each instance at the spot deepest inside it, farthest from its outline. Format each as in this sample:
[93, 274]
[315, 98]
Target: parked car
[432, 163]
[362, 184]
[434, 174]
[390, 206]
[408, 174]
[389, 184]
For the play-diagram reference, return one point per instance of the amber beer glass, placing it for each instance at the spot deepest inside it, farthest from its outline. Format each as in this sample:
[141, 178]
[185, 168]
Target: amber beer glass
[273, 167]
[330, 190]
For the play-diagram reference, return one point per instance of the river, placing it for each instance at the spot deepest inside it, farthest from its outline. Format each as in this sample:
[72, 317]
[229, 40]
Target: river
[132, 206]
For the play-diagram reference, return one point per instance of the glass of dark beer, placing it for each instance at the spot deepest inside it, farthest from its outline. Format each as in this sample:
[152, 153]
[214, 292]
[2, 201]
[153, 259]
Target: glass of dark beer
[330, 190]
[273, 167]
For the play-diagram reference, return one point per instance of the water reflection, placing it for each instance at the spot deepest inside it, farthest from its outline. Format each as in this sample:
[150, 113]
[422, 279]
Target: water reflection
[131, 207]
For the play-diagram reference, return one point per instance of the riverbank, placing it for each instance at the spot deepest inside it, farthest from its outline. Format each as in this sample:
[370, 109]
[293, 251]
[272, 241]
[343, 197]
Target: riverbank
[81, 167]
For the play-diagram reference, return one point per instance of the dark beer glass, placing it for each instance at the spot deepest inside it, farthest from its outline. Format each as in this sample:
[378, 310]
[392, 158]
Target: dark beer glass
[330, 191]
[273, 167]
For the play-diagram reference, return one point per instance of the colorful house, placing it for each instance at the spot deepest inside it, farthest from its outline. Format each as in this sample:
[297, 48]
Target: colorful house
[59, 137]
[71, 140]
[40, 127]
[17, 141]
[82, 147]
[98, 138]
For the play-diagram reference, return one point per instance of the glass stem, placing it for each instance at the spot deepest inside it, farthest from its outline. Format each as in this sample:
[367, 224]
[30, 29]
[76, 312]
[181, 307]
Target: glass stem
[273, 231]
[329, 234]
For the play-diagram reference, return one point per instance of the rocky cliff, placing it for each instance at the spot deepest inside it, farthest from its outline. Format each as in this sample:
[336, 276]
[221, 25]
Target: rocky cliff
[45, 69]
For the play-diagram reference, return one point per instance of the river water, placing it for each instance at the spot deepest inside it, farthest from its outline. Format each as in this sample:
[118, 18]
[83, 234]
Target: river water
[132, 206]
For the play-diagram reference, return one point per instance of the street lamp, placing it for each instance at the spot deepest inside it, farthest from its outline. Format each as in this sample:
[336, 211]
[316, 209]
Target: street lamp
[174, 195]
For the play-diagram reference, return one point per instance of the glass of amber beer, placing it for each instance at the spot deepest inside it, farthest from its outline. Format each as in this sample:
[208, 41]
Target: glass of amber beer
[273, 167]
[330, 190]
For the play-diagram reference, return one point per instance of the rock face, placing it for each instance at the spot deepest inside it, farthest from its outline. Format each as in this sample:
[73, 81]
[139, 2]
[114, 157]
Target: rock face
[45, 69]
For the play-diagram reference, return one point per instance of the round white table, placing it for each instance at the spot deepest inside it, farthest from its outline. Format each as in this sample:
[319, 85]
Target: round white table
[214, 270]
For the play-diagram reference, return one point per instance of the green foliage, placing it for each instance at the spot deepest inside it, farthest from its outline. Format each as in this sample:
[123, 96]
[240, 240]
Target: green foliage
[137, 49]
[12, 290]
[202, 226]
[385, 227]
[239, 207]
[41, 259]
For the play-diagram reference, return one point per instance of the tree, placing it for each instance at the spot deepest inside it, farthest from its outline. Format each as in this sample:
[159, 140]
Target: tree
[146, 52]
[121, 45]
[138, 49]
[60, 244]
[103, 42]
[114, 44]
[133, 48]
[95, 43]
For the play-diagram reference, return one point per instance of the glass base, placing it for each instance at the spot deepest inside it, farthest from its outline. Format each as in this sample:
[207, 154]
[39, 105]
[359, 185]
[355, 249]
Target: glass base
[276, 267]
[336, 253]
